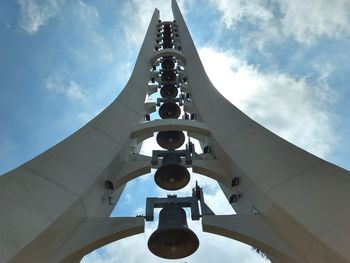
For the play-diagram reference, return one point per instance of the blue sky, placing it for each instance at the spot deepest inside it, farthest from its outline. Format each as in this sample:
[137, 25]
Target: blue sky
[284, 63]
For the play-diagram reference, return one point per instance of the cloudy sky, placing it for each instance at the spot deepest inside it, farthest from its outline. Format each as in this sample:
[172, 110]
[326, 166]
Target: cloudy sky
[284, 63]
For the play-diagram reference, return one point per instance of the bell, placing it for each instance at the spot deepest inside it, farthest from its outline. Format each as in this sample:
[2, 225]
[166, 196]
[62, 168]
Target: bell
[169, 110]
[168, 91]
[173, 239]
[170, 140]
[172, 175]
[168, 75]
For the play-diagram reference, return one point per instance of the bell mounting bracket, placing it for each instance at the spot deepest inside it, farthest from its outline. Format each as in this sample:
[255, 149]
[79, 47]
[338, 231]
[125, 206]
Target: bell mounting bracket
[181, 153]
[191, 201]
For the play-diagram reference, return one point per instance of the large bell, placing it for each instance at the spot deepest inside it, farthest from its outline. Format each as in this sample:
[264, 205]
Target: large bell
[173, 239]
[169, 110]
[172, 175]
[170, 140]
[168, 91]
[168, 75]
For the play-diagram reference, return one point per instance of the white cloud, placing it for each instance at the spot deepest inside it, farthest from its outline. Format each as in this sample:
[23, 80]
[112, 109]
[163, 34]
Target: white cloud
[293, 108]
[86, 11]
[307, 20]
[137, 15]
[304, 20]
[57, 84]
[36, 13]
[236, 10]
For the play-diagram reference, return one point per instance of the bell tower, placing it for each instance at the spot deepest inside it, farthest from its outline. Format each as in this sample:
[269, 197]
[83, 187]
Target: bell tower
[290, 204]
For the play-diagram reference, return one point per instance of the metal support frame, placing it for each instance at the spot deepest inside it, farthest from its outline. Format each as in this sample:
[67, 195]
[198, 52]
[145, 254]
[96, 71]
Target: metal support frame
[181, 153]
[158, 202]
[163, 100]
[192, 202]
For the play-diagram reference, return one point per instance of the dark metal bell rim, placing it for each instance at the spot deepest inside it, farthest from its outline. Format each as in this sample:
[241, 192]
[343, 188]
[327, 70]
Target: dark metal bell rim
[171, 189]
[185, 250]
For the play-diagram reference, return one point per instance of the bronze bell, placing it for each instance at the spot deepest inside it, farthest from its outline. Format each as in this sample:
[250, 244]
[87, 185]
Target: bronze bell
[168, 91]
[173, 239]
[169, 110]
[168, 75]
[172, 175]
[170, 140]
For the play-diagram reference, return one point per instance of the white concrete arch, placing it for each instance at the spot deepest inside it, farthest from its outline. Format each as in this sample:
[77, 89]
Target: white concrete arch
[146, 129]
[208, 167]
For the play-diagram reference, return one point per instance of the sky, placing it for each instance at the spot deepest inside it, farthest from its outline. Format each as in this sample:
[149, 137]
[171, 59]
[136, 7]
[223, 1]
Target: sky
[284, 63]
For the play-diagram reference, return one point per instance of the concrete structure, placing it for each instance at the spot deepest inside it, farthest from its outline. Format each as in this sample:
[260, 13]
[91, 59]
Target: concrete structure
[289, 203]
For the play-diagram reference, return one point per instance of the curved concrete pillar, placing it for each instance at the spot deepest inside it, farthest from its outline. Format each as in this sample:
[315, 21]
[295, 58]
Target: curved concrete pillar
[44, 201]
[300, 195]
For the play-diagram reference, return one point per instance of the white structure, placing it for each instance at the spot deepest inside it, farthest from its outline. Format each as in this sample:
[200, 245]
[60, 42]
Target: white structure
[289, 203]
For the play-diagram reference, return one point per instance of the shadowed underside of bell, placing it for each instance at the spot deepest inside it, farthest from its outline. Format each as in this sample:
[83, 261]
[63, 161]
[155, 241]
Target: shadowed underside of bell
[173, 239]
